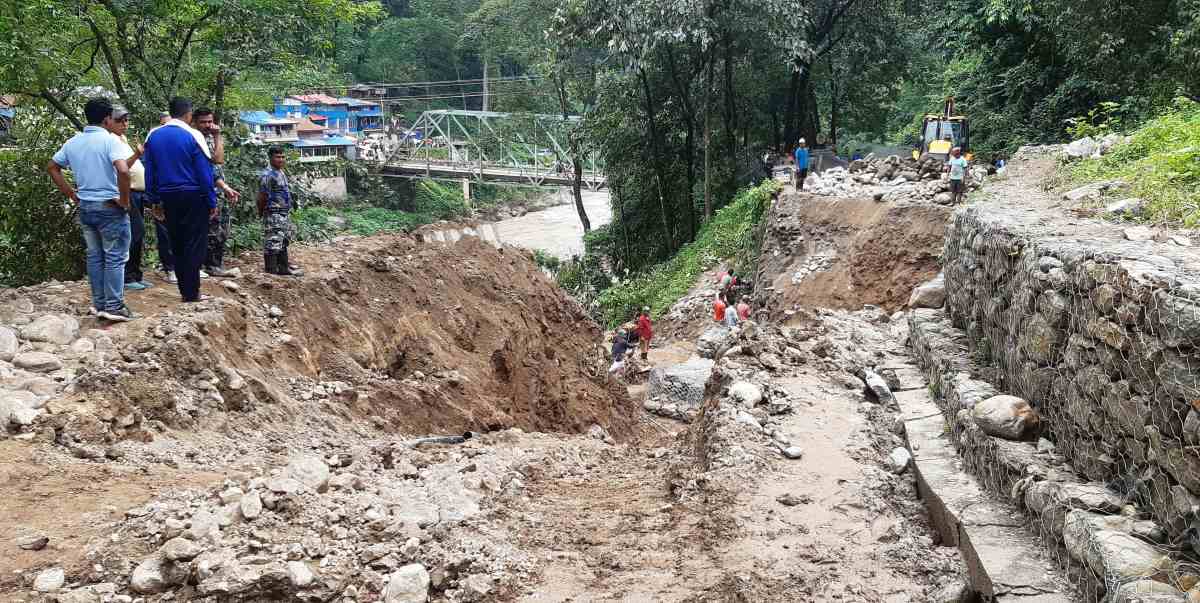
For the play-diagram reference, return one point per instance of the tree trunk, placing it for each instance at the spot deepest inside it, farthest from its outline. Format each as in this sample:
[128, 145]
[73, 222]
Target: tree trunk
[708, 208]
[219, 94]
[485, 81]
[576, 158]
[833, 108]
[684, 92]
[730, 98]
[577, 191]
[655, 150]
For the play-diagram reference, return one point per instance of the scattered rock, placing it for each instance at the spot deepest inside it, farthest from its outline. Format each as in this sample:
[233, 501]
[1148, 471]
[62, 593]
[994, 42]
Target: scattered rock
[476, 587]
[409, 584]
[8, 344]
[148, 577]
[792, 452]
[33, 542]
[790, 500]
[929, 295]
[1007, 417]
[310, 471]
[877, 386]
[746, 393]
[50, 580]
[1148, 591]
[58, 329]
[230, 285]
[1082, 148]
[83, 346]
[299, 575]
[898, 460]
[1139, 233]
[251, 505]
[180, 549]
[275, 312]
[37, 362]
[1126, 207]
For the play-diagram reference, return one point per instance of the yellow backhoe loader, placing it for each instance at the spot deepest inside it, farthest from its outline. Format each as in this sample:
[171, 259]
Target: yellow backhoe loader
[940, 133]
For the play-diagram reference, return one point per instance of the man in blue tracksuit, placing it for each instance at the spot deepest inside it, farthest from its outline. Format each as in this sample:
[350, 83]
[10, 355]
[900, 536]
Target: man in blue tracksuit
[179, 179]
[801, 164]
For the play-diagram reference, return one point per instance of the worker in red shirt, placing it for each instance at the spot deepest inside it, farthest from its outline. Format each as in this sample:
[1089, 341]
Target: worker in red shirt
[719, 309]
[645, 331]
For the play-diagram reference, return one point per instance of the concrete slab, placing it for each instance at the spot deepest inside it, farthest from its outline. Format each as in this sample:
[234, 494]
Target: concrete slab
[1005, 561]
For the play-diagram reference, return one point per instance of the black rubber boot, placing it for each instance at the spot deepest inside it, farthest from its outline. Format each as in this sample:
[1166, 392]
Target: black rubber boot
[271, 260]
[287, 267]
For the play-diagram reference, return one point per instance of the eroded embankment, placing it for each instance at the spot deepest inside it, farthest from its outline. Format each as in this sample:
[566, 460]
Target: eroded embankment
[844, 253]
[385, 333]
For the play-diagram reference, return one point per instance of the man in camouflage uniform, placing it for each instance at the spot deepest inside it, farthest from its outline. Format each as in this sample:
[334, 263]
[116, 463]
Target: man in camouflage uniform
[218, 227]
[274, 204]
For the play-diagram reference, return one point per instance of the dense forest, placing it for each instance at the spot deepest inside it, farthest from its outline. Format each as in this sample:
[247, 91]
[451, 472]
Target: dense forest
[680, 99]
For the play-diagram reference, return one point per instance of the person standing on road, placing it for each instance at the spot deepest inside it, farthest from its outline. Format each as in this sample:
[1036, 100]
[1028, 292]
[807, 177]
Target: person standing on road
[645, 331]
[134, 277]
[620, 345]
[98, 161]
[743, 309]
[218, 228]
[801, 169]
[179, 178]
[274, 204]
[958, 174]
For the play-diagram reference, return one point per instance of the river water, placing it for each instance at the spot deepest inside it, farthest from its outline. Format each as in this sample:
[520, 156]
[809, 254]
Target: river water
[556, 230]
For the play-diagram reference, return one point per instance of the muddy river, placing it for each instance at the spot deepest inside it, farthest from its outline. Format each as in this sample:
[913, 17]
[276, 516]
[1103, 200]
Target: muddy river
[557, 229]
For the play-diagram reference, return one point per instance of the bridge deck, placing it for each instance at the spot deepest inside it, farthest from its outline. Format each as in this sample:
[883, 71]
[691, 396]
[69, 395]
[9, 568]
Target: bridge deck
[488, 173]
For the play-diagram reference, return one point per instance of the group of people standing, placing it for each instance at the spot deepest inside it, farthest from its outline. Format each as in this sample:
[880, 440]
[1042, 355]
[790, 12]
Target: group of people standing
[177, 175]
[725, 311]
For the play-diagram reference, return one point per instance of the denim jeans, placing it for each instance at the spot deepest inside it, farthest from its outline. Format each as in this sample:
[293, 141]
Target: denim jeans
[106, 234]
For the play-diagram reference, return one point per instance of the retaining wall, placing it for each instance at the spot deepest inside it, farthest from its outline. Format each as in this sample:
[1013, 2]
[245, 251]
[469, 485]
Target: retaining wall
[1101, 335]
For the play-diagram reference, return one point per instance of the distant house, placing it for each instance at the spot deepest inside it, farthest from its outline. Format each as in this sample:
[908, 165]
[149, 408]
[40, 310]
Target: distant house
[269, 129]
[315, 143]
[8, 111]
[346, 115]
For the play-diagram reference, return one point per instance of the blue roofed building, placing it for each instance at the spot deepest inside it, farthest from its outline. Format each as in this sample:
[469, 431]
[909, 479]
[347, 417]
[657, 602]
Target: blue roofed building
[346, 115]
[269, 129]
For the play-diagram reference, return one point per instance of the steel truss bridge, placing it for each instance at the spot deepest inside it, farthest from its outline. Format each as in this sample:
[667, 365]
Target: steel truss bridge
[496, 148]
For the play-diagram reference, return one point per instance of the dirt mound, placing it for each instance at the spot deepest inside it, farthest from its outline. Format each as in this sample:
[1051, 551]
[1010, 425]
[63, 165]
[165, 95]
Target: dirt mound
[383, 334]
[844, 253]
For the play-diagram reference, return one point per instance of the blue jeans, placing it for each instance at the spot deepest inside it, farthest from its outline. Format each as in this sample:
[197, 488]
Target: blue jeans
[106, 234]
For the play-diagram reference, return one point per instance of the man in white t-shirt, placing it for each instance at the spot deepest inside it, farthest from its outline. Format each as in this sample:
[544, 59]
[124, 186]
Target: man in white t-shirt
[134, 278]
[958, 175]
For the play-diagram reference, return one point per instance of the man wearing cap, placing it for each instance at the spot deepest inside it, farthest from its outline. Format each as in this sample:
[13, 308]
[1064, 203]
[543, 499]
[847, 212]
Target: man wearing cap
[645, 331]
[134, 278]
[97, 160]
[179, 178]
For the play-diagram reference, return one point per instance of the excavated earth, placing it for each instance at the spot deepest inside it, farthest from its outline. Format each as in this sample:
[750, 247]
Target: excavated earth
[273, 442]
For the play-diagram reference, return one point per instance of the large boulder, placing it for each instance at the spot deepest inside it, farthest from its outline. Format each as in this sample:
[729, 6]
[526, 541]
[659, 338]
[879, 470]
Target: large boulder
[8, 344]
[682, 383]
[309, 470]
[1102, 543]
[713, 341]
[1148, 591]
[931, 294]
[1083, 148]
[747, 394]
[58, 329]
[1007, 417]
[409, 584]
[37, 362]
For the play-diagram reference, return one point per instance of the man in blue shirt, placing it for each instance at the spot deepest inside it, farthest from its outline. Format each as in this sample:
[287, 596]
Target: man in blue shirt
[179, 178]
[801, 164]
[97, 160]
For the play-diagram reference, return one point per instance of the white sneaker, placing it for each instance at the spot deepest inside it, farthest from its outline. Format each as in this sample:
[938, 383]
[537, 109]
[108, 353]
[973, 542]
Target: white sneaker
[203, 274]
[169, 276]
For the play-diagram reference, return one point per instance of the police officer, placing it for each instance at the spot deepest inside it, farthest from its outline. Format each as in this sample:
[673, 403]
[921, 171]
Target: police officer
[274, 205]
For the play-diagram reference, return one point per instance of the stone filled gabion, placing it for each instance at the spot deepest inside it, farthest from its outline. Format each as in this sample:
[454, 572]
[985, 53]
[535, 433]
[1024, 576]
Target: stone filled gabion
[1100, 336]
[681, 383]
